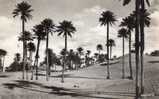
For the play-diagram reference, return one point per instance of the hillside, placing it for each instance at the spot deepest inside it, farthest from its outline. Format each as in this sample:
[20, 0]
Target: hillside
[87, 83]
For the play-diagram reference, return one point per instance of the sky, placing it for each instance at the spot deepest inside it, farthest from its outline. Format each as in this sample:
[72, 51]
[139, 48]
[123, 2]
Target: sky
[84, 15]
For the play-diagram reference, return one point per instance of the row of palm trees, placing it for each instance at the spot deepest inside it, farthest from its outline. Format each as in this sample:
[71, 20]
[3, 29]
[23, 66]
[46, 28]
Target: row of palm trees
[141, 15]
[135, 21]
[41, 32]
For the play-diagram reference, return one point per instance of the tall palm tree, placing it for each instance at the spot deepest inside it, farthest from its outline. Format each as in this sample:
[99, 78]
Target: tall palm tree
[3, 53]
[144, 21]
[65, 28]
[99, 49]
[107, 18]
[31, 48]
[39, 35]
[129, 23]
[139, 3]
[123, 33]
[48, 26]
[23, 10]
[111, 44]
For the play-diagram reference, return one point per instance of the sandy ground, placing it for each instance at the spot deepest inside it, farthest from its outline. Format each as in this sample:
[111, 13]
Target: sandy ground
[87, 83]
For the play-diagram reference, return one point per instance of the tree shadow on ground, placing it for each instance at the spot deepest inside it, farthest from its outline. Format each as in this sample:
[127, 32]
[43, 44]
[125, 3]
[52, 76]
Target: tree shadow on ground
[72, 76]
[60, 91]
[153, 61]
[4, 76]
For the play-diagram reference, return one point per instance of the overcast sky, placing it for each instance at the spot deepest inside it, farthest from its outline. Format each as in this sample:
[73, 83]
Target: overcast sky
[83, 13]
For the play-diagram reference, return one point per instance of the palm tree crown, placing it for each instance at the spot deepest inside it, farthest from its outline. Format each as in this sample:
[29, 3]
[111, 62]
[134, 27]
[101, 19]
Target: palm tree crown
[145, 15]
[48, 25]
[128, 22]
[23, 9]
[123, 33]
[39, 32]
[3, 52]
[26, 36]
[66, 28]
[80, 50]
[99, 47]
[107, 17]
[31, 47]
[111, 42]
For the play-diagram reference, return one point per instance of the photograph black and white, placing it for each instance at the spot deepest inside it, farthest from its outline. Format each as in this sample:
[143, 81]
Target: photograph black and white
[79, 49]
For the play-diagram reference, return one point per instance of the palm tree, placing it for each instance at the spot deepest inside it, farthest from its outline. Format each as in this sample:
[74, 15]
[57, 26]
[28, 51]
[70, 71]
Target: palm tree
[144, 21]
[31, 49]
[23, 10]
[123, 33]
[17, 60]
[3, 53]
[26, 36]
[39, 35]
[48, 26]
[80, 51]
[50, 54]
[111, 44]
[129, 23]
[99, 49]
[17, 57]
[65, 28]
[107, 18]
[139, 3]
[71, 55]
[87, 57]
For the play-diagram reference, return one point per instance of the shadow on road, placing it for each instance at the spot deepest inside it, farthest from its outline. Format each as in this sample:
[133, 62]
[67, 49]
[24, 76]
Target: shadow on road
[72, 76]
[153, 61]
[60, 91]
[4, 76]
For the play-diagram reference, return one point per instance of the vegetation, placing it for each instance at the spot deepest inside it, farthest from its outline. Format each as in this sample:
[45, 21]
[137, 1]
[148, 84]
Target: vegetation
[3, 53]
[48, 27]
[70, 59]
[23, 10]
[66, 29]
[107, 18]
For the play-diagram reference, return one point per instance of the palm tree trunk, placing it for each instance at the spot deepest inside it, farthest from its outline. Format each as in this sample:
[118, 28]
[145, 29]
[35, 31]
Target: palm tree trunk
[142, 47]
[36, 60]
[3, 63]
[137, 48]
[24, 49]
[99, 56]
[108, 73]
[64, 58]
[30, 64]
[123, 59]
[110, 52]
[130, 65]
[47, 57]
